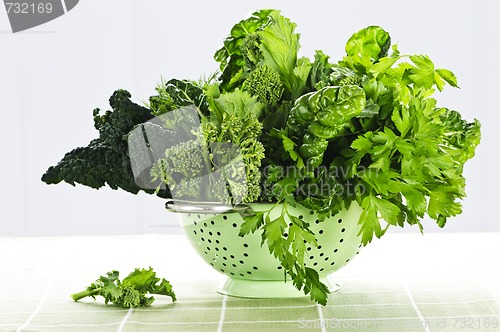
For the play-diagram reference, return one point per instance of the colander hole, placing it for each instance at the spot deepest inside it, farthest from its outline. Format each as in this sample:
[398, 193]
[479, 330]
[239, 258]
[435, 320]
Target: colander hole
[212, 222]
[198, 216]
[319, 247]
[335, 250]
[208, 248]
[241, 274]
[245, 254]
[216, 249]
[234, 265]
[315, 263]
[217, 241]
[347, 261]
[224, 217]
[340, 221]
[203, 239]
[280, 267]
[343, 230]
[255, 268]
[222, 270]
[320, 231]
[224, 248]
[285, 234]
[210, 233]
[212, 264]
[305, 241]
[248, 272]
[206, 253]
[341, 240]
[332, 263]
[234, 225]
[195, 223]
[224, 264]
[201, 230]
[232, 273]
[321, 254]
[194, 232]
[242, 262]
[209, 241]
[326, 258]
[309, 248]
[311, 212]
[245, 245]
[225, 258]
[321, 270]
[311, 257]
[218, 233]
[301, 217]
[232, 256]
[357, 253]
[317, 221]
[205, 224]
[290, 224]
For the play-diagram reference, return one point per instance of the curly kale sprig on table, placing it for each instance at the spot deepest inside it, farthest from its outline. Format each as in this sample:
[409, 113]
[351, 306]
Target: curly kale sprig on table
[276, 126]
[130, 292]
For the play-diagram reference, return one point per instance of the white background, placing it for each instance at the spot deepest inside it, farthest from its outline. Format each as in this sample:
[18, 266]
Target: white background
[52, 76]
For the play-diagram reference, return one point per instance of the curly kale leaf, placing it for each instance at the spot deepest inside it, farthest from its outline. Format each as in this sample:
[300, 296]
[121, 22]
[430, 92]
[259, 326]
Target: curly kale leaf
[105, 160]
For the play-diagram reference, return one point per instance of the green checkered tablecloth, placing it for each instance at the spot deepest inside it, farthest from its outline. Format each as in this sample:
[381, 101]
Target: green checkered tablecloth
[400, 283]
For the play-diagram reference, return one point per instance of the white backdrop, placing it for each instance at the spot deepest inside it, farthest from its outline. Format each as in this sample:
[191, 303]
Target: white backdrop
[52, 77]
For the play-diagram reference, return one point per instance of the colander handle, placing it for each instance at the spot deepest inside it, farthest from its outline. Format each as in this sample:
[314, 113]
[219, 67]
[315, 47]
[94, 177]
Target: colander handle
[182, 206]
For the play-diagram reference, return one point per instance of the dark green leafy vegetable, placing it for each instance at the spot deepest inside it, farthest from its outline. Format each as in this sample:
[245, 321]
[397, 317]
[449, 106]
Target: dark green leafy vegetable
[131, 292]
[265, 39]
[320, 116]
[239, 51]
[105, 161]
[366, 128]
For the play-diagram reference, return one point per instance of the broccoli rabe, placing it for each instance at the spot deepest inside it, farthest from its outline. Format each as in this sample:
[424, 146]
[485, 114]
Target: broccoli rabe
[131, 292]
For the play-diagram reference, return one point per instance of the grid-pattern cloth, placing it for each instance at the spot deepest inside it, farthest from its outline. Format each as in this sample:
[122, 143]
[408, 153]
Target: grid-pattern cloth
[37, 276]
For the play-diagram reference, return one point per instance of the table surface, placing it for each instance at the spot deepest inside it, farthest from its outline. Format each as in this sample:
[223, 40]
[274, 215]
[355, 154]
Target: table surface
[403, 282]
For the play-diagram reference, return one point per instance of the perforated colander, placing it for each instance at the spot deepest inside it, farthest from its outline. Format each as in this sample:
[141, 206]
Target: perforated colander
[252, 270]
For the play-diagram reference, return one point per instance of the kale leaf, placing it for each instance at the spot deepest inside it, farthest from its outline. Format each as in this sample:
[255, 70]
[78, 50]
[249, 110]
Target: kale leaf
[105, 161]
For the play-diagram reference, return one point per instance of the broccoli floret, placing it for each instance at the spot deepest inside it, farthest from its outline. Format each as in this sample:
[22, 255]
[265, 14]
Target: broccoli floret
[130, 297]
[350, 80]
[265, 83]
[250, 49]
[182, 167]
[186, 158]
[243, 132]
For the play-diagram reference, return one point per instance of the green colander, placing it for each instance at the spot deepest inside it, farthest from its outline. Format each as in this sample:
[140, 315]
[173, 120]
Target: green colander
[251, 270]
